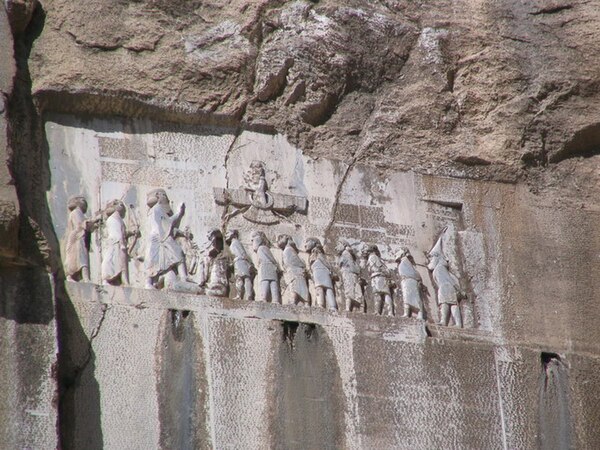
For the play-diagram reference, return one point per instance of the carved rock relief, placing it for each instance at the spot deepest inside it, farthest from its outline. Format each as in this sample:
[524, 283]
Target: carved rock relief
[279, 226]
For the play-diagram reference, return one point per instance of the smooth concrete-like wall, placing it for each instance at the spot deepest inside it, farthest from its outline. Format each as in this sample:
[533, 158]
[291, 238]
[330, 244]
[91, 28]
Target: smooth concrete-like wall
[185, 371]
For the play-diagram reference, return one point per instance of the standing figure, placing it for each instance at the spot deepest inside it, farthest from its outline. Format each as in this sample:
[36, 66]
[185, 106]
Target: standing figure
[411, 285]
[185, 238]
[165, 261]
[77, 251]
[115, 261]
[268, 269]
[380, 281]
[351, 280]
[294, 271]
[448, 286]
[322, 274]
[214, 273]
[243, 269]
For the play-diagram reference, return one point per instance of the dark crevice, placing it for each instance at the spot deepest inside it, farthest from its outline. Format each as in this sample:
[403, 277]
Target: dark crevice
[585, 143]
[551, 9]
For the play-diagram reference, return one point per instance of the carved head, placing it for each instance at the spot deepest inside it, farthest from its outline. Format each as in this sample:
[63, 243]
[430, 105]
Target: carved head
[343, 245]
[404, 252]
[314, 243]
[215, 237]
[156, 196]
[284, 240]
[115, 205]
[77, 201]
[259, 239]
[372, 249]
[231, 235]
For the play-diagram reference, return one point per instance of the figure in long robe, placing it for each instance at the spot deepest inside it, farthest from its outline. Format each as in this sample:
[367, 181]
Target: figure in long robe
[164, 261]
[77, 250]
[115, 255]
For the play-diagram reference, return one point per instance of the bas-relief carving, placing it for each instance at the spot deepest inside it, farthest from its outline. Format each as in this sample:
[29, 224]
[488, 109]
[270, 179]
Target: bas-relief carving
[322, 275]
[448, 286]
[303, 276]
[79, 228]
[116, 246]
[255, 202]
[352, 283]
[380, 281]
[214, 266]
[164, 261]
[243, 269]
[411, 285]
[268, 269]
[295, 274]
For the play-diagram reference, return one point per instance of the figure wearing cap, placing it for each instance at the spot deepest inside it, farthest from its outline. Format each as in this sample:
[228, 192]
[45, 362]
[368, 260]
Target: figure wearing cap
[294, 271]
[77, 251]
[411, 285]
[115, 257]
[268, 269]
[351, 281]
[380, 281]
[243, 269]
[322, 274]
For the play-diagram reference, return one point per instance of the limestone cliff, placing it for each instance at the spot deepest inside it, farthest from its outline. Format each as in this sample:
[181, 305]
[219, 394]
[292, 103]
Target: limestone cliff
[502, 93]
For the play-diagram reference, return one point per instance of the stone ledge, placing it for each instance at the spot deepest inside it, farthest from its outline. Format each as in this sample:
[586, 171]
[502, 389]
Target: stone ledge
[369, 325]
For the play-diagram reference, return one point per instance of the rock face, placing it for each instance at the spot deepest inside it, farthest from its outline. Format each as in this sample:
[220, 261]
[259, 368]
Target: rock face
[388, 122]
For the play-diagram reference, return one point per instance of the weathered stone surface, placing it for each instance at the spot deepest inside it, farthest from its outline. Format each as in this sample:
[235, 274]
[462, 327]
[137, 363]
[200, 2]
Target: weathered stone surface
[489, 85]
[9, 204]
[404, 117]
[267, 374]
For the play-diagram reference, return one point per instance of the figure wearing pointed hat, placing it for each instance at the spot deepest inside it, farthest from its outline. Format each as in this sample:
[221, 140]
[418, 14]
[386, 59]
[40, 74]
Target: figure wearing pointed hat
[448, 286]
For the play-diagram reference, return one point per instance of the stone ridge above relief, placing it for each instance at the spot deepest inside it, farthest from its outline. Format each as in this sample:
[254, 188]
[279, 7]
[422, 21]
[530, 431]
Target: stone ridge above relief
[246, 215]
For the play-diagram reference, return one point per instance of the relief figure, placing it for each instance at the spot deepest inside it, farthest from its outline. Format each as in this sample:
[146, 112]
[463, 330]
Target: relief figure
[115, 257]
[243, 269]
[77, 250]
[294, 271]
[214, 273]
[380, 281]
[268, 269]
[322, 275]
[352, 282]
[448, 285]
[164, 261]
[411, 285]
